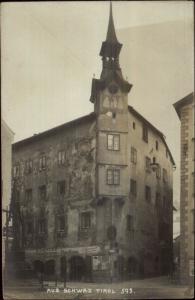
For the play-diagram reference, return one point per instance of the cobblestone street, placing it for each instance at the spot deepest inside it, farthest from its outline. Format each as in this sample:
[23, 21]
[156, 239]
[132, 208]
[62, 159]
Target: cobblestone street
[153, 288]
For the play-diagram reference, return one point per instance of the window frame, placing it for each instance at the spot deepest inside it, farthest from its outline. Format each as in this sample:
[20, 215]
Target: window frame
[145, 132]
[158, 172]
[16, 170]
[113, 173]
[165, 175]
[27, 193]
[60, 222]
[84, 221]
[133, 183]
[41, 188]
[148, 192]
[59, 187]
[42, 162]
[29, 166]
[31, 227]
[133, 155]
[112, 146]
[148, 164]
[61, 157]
[129, 223]
[42, 224]
[158, 200]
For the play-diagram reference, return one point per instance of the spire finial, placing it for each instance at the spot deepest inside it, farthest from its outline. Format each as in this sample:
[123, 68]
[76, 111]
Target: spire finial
[111, 34]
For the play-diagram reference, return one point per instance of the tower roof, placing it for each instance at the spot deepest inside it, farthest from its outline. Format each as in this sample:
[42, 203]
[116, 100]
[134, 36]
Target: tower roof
[111, 33]
[110, 47]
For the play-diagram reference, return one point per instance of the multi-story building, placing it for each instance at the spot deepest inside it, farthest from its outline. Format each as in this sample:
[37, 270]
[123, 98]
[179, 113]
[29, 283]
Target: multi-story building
[94, 195]
[185, 111]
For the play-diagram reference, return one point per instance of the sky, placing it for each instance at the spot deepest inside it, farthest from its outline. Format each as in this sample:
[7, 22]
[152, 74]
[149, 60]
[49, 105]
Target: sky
[50, 53]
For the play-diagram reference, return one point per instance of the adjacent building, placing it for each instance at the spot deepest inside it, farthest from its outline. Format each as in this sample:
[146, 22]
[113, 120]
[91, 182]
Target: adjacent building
[93, 198]
[7, 137]
[185, 111]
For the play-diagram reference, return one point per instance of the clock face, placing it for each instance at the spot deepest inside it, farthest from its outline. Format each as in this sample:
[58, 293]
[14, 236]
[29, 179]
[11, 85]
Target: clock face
[113, 88]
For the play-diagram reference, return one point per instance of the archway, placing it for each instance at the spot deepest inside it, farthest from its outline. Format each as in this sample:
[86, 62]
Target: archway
[132, 267]
[49, 267]
[77, 268]
[38, 266]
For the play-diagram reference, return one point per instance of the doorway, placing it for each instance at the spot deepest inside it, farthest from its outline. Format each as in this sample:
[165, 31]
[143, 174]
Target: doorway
[77, 268]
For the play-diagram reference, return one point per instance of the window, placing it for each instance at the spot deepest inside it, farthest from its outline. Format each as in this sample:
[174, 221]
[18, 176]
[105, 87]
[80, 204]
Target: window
[29, 227]
[145, 133]
[29, 166]
[167, 153]
[61, 223]
[148, 193]
[42, 192]
[158, 172]
[17, 196]
[61, 188]
[42, 163]
[85, 220]
[61, 157]
[165, 178]
[133, 155]
[133, 125]
[157, 200]
[133, 187]
[148, 164]
[113, 142]
[113, 176]
[164, 202]
[130, 223]
[28, 195]
[156, 145]
[42, 226]
[16, 171]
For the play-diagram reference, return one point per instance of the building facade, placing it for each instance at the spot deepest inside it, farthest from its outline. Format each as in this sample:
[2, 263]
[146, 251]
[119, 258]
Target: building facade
[93, 197]
[7, 137]
[185, 111]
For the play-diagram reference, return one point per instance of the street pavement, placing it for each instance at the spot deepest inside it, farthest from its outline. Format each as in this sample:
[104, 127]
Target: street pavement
[153, 288]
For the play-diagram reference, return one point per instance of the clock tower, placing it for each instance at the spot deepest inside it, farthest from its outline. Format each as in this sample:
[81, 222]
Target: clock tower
[110, 97]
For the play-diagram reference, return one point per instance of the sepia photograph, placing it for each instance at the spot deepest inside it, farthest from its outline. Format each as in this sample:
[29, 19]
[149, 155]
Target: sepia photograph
[97, 149]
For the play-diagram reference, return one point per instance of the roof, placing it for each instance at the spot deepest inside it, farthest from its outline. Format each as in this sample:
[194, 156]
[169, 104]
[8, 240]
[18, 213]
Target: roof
[133, 111]
[110, 47]
[5, 125]
[111, 33]
[83, 119]
[53, 130]
[183, 102]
